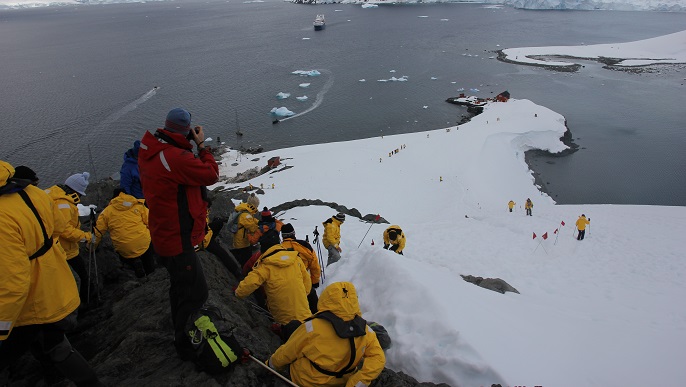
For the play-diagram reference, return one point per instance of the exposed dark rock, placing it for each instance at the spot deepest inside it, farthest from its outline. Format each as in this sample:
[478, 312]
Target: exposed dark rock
[495, 284]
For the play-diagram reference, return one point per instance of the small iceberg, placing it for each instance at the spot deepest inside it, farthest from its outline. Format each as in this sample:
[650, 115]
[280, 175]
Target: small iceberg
[474, 90]
[362, 80]
[392, 71]
[433, 78]
[306, 38]
[422, 16]
[425, 107]
[281, 112]
[460, 89]
[304, 85]
[303, 98]
[307, 73]
[283, 95]
[370, 5]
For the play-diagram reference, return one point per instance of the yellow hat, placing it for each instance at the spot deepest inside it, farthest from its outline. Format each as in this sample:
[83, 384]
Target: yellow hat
[6, 172]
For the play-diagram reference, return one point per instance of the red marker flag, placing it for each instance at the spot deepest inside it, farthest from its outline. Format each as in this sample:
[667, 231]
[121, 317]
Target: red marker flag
[562, 223]
[377, 217]
[545, 236]
[555, 232]
[372, 242]
[534, 235]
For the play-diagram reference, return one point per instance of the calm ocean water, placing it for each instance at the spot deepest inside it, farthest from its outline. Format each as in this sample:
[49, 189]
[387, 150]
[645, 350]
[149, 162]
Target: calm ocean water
[77, 83]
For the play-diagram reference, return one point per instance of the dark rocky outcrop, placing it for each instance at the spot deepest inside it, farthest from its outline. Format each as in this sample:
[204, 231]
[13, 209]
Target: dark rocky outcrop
[495, 284]
[127, 335]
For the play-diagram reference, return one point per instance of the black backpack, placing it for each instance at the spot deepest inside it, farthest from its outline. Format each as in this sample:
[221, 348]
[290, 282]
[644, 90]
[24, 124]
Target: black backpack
[346, 330]
[215, 352]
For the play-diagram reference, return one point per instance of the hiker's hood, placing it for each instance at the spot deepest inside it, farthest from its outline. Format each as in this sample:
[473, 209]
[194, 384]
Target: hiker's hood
[151, 146]
[56, 193]
[340, 298]
[279, 256]
[124, 202]
[6, 171]
[246, 207]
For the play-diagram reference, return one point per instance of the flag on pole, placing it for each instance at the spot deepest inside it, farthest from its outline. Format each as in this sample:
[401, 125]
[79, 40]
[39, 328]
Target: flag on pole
[372, 242]
[376, 219]
[562, 222]
[545, 236]
[534, 235]
[555, 232]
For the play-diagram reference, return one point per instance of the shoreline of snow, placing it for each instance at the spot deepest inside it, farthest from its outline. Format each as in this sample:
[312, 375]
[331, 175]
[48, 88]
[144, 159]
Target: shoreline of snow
[662, 50]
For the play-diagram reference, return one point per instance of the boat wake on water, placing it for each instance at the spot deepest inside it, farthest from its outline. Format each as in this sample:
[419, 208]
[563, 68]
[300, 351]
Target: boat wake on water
[126, 109]
[320, 96]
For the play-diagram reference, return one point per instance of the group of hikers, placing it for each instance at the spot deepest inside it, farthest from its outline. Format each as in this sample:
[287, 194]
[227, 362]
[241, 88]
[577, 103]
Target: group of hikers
[160, 214]
[581, 223]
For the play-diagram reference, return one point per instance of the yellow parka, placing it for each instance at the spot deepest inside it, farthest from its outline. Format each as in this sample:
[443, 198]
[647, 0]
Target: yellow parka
[511, 204]
[316, 341]
[286, 284]
[247, 224]
[126, 218]
[308, 256]
[32, 291]
[582, 222]
[399, 239]
[332, 232]
[208, 234]
[529, 204]
[72, 234]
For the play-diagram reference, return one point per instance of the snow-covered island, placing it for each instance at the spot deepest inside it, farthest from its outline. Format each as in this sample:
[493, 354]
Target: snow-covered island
[661, 50]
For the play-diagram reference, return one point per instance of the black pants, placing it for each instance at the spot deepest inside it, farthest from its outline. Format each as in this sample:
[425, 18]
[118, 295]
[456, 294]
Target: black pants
[187, 293]
[242, 255]
[52, 349]
[312, 300]
[581, 235]
[528, 211]
[143, 265]
[79, 266]
[226, 258]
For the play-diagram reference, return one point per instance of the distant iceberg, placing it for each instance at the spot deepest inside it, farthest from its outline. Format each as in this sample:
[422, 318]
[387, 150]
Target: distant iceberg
[367, 5]
[307, 73]
[394, 79]
[281, 112]
[283, 95]
[303, 98]
[304, 85]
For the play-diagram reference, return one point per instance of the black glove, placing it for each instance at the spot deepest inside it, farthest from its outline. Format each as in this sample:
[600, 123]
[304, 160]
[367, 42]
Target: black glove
[589, 219]
[315, 285]
[385, 246]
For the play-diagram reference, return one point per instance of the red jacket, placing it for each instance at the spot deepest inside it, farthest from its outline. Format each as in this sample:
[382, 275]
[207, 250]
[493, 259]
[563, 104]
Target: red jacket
[174, 181]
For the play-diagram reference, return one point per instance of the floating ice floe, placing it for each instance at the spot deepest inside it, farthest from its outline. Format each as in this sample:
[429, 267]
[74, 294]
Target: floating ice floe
[474, 90]
[453, 82]
[445, 19]
[425, 107]
[460, 89]
[304, 85]
[394, 79]
[363, 80]
[303, 98]
[281, 112]
[283, 95]
[433, 78]
[307, 73]
[422, 16]
[306, 38]
[370, 5]
[208, 139]
[338, 10]
[392, 71]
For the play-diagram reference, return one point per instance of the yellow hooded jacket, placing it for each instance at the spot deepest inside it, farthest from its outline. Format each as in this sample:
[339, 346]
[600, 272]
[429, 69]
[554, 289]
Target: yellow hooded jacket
[126, 218]
[308, 256]
[582, 222]
[72, 234]
[286, 284]
[247, 224]
[332, 232]
[399, 239]
[33, 291]
[511, 204]
[528, 204]
[316, 341]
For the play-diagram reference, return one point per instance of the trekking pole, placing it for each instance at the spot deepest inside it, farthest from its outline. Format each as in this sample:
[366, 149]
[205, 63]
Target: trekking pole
[268, 368]
[92, 258]
[319, 251]
[376, 218]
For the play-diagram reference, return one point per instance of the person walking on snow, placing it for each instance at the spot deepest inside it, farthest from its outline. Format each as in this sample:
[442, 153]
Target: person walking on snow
[67, 196]
[581, 224]
[394, 239]
[309, 258]
[38, 295]
[329, 348]
[174, 181]
[126, 218]
[511, 205]
[332, 237]
[528, 206]
[286, 282]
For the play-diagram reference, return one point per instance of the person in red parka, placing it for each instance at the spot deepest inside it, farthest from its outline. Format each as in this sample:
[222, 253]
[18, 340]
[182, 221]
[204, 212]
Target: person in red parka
[174, 180]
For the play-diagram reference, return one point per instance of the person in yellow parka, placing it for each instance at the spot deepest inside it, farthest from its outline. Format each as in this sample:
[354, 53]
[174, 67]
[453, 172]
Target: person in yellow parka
[528, 206]
[394, 239]
[581, 224]
[247, 224]
[286, 282]
[212, 245]
[332, 237]
[38, 294]
[309, 258]
[126, 218]
[320, 352]
[67, 196]
[510, 205]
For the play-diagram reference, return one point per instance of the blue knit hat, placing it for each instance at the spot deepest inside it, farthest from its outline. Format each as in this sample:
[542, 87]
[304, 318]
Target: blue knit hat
[178, 121]
[78, 182]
